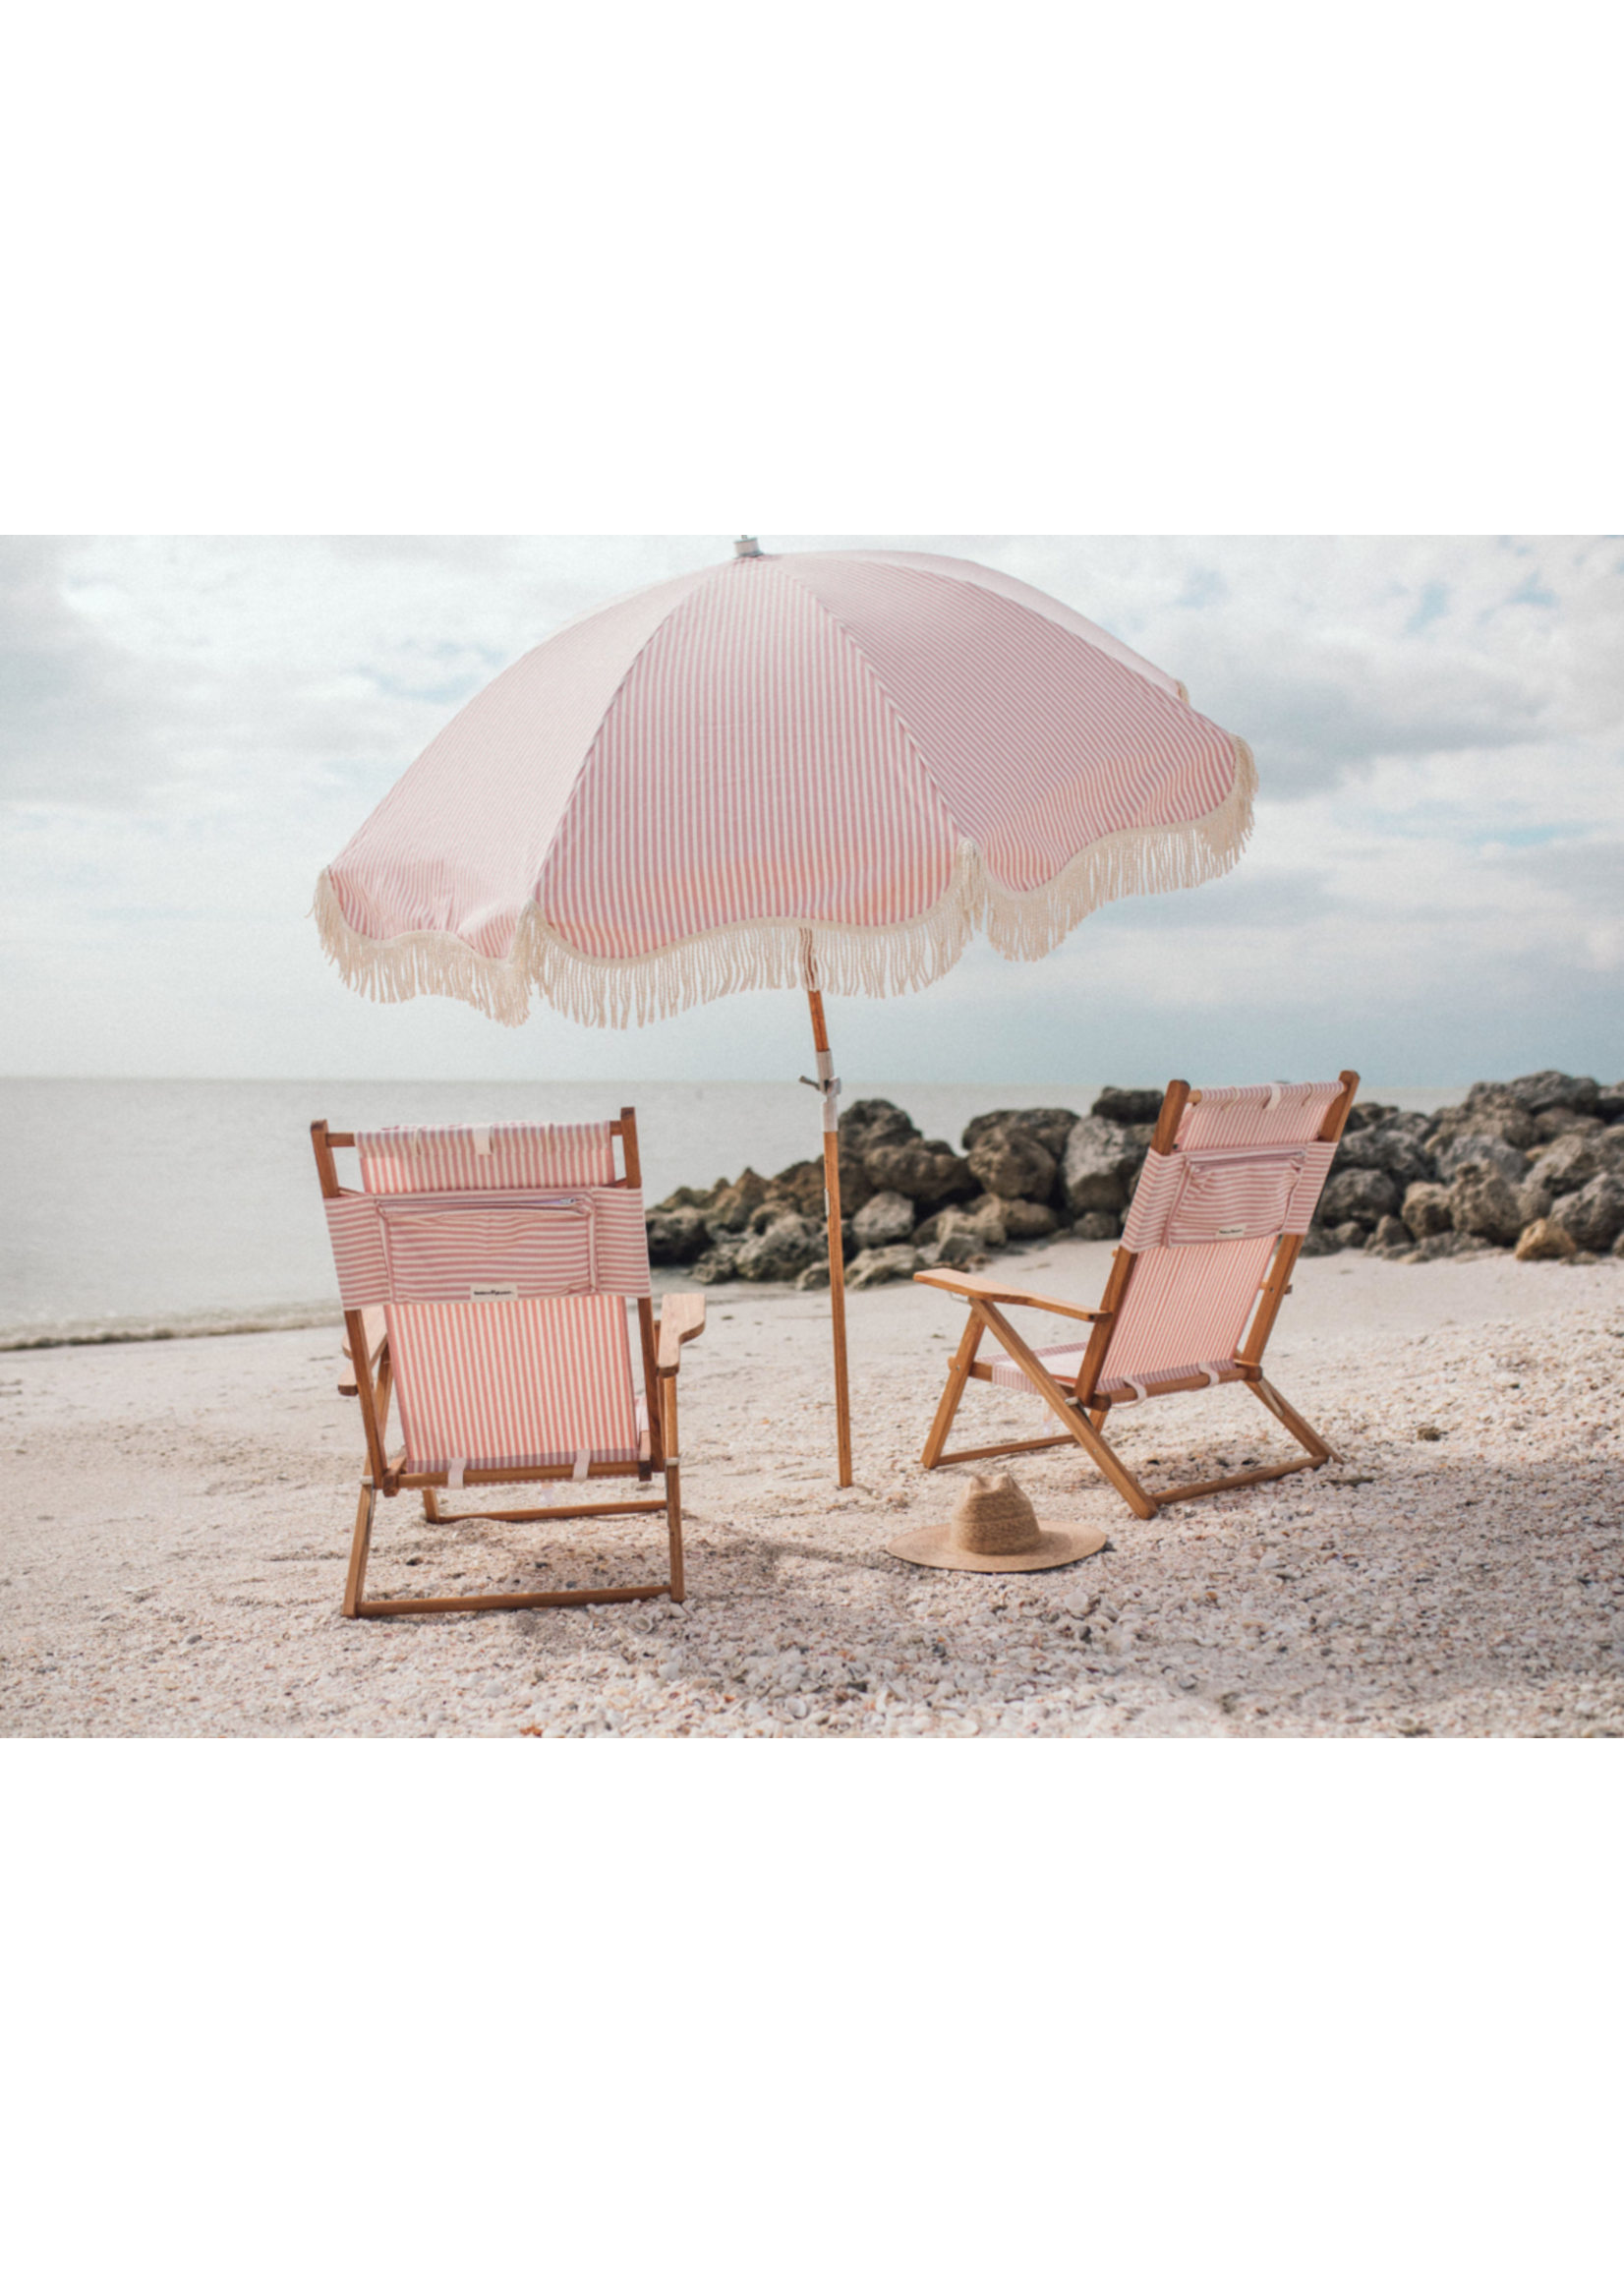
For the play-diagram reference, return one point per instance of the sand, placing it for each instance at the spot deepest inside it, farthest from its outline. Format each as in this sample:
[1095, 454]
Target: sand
[178, 1519]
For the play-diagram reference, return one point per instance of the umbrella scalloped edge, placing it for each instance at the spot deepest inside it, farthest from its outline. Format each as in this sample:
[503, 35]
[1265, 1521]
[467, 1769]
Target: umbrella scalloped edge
[783, 952]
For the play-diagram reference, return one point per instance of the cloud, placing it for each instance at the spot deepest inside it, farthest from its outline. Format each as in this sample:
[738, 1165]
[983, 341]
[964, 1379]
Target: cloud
[191, 727]
[82, 720]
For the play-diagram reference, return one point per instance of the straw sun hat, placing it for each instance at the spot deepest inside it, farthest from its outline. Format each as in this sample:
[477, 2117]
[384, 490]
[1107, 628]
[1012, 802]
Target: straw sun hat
[994, 1528]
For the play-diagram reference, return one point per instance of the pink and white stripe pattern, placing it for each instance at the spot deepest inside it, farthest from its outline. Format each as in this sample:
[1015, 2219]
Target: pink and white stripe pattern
[824, 769]
[420, 1248]
[1186, 1199]
[513, 1155]
[535, 1368]
[1189, 1301]
[513, 1384]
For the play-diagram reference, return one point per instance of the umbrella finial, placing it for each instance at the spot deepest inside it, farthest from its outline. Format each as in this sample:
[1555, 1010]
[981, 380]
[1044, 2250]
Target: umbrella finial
[747, 549]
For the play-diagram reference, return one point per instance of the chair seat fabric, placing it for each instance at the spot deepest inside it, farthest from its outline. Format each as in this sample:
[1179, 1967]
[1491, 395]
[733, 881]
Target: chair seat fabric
[513, 1384]
[505, 1258]
[1063, 1359]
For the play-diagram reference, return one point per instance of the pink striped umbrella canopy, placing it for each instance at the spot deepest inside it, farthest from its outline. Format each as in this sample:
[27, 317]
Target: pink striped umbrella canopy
[817, 769]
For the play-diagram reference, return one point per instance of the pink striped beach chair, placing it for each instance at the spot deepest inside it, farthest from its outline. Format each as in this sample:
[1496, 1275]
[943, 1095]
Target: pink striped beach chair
[490, 1278]
[1216, 1224]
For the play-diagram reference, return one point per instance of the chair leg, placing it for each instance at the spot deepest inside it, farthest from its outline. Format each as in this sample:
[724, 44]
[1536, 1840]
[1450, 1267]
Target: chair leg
[958, 1374]
[1087, 1436]
[674, 1480]
[356, 1583]
[674, 1525]
[1289, 1417]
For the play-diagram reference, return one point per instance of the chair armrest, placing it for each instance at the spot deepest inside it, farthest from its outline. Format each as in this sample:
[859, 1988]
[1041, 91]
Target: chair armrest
[681, 1317]
[378, 1338]
[972, 1284]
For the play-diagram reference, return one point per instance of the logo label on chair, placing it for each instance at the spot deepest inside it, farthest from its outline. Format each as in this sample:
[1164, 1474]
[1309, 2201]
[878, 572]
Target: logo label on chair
[487, 1291]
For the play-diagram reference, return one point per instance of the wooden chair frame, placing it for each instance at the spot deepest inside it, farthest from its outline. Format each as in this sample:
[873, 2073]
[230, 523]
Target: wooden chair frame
[367, 1376]
[1082, 1409]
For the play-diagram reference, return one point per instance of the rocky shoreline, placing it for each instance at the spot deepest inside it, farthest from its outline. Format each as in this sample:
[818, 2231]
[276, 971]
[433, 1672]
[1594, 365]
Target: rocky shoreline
[1533, 1165]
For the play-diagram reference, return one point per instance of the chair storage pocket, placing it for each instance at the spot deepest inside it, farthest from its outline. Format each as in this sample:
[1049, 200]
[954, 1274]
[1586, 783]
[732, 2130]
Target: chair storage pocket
[490, 1254]
[1241, 1198]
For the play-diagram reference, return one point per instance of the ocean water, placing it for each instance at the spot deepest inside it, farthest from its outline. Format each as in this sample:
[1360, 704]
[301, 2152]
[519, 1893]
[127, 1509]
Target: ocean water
[136, 1208]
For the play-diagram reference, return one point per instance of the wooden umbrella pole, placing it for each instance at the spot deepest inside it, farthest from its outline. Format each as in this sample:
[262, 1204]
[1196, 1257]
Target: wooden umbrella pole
[831, 1091]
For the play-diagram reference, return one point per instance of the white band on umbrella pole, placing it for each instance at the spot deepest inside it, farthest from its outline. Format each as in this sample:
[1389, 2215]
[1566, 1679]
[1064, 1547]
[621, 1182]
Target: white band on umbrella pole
[830, 1088]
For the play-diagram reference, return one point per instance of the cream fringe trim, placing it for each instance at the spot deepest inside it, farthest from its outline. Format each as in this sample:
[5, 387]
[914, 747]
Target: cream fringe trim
[779, 953]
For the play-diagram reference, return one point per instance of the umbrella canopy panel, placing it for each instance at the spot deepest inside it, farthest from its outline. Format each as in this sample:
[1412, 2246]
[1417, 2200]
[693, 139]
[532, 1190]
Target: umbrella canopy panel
[810, 770]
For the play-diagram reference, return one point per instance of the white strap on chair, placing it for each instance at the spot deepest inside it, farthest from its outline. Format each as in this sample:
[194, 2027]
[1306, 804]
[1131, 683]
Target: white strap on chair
[1212, 1374]
[479, 1132]
[454, 1471]
[1274, 1096]
[1137, 1387]
[583, 1466]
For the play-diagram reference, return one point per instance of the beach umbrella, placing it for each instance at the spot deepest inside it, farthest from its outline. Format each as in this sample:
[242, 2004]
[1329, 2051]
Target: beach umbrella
[821, 771]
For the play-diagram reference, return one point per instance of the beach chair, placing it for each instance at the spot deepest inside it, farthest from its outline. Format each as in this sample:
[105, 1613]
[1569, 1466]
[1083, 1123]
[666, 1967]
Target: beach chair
[1217, 1220]
[488, 1278]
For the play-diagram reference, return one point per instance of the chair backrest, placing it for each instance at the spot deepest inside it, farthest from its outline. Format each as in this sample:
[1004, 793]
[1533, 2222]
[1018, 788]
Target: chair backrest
[1247, 1167]
[505, 1258]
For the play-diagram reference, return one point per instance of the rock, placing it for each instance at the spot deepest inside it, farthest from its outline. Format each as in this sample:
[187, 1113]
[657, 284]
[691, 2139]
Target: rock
[984, 1226]
[1427, 1212]
[1543, 1242]
[676, 1235]
[986, 1125]
[1132, 1106]
[731, 1208]
[1391, 1237]
[1482, 1148]
[1316, 1241]
[815, 1275]
[1561, 1121]
[1358, 1196]
[771, 1209]
[1013, 1164]
[1483, 1203]
[962, 1250]
[1565, 1166]
[875, 1265]
[1344, 1235]
[1489, 1111]
[884, 1221]
[1100, 1165]
[1021, 1219]
[1448, 1246]
[925, 1169]
[1365, 1115]
[715, 1266]
[1538, 1091]
[1593, 1216]
[1098, 1224]
[873, 1120]
[803, 1185]
[1609, 1102]
[1050, 1125]
[784, 1251]
[1399, 1154]
[690, 1196]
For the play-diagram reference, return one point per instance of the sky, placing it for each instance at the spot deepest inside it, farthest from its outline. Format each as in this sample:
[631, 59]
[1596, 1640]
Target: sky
[191, 727]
